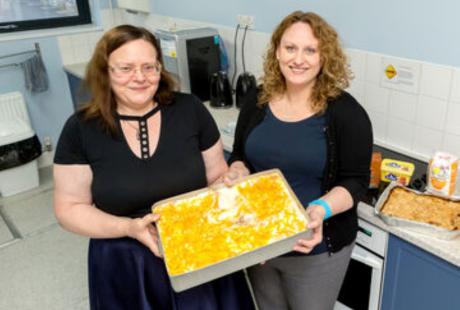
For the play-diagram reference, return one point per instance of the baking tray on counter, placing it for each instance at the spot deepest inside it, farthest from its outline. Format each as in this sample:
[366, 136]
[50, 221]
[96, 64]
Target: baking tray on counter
[276, 246]
[420, 227]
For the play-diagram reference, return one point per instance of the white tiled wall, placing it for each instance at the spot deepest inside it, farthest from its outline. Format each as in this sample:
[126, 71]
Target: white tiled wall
[414, 119]
[78, 48]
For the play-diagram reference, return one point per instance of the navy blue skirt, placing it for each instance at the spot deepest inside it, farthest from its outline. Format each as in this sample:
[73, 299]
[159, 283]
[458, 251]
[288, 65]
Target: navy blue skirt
[124, 274]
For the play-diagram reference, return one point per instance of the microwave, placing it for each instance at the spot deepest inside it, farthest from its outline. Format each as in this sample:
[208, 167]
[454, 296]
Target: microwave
[192, 56]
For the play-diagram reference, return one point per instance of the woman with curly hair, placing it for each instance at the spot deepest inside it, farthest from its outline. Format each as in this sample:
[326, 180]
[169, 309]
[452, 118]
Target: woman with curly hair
[304, 123]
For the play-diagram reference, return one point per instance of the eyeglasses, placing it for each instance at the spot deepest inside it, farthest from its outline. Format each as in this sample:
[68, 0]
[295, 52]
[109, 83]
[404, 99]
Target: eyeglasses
[127, 71]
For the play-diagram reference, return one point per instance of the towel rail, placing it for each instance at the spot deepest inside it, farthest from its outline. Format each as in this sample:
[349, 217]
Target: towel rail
[35, 50]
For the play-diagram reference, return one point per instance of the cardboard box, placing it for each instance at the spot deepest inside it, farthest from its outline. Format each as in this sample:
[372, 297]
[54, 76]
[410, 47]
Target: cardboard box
[395, 170]
[212, 232]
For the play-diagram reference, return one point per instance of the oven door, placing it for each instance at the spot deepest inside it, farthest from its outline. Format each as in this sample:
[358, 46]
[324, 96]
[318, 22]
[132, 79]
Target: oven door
[362, 284]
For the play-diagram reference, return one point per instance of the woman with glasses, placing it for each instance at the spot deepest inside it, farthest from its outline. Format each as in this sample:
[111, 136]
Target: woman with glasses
[134, 143]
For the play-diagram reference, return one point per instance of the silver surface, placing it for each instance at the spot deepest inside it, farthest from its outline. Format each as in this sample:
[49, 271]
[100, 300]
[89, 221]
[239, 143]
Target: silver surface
[432, 230]
[190, 279]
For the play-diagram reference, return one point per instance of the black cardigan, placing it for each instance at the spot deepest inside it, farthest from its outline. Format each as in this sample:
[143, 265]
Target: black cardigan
[349, 150]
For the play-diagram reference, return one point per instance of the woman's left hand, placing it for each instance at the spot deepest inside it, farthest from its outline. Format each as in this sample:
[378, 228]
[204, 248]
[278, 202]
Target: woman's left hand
[315, 214]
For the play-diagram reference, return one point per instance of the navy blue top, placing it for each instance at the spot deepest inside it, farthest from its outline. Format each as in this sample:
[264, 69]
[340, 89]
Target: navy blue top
[298, 149]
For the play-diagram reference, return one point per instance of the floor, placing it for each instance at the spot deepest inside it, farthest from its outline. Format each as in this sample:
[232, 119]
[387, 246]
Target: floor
[41, 265]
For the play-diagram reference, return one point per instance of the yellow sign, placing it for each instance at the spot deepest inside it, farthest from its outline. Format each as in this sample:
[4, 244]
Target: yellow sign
[390, 71]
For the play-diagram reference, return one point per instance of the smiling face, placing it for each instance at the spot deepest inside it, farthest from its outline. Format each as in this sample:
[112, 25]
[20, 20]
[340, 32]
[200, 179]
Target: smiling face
[298, 56]
[132, 78]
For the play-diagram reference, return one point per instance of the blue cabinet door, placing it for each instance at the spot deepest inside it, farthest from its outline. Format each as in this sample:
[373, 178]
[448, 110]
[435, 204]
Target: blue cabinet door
[79, 94]
[416, 279]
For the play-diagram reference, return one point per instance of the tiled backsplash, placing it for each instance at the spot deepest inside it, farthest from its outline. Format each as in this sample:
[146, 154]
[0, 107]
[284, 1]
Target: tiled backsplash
[415, 120]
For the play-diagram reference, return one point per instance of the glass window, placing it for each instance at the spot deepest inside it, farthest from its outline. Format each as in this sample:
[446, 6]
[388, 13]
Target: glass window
[20, 15]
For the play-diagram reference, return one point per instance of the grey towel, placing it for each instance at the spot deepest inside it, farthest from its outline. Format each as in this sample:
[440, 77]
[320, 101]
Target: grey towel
[35, 75]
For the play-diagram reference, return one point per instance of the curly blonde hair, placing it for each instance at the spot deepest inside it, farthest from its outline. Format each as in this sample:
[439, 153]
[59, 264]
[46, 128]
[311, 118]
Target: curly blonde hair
[334, 75]
[102, 104]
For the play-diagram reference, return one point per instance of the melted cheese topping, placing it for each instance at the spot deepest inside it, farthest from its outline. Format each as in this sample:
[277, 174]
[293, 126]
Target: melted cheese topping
[216, 225]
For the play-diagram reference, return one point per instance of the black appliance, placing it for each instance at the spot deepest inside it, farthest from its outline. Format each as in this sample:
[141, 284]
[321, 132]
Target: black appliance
[220, 91]
[246, 89]
[191, 56]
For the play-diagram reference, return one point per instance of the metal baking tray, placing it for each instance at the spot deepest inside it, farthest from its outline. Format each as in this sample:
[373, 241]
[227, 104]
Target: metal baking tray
[196, 277]
[420, 227]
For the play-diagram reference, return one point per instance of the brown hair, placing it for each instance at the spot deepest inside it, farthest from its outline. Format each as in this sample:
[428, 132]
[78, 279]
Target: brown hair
[102, 104]
[334, 74]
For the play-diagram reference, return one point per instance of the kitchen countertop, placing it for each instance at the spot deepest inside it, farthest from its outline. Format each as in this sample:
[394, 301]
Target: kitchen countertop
[226, 118]
[448, 250]
[76, 69]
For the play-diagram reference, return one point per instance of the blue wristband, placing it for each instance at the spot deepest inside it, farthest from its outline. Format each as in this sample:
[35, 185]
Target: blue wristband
[325, 206]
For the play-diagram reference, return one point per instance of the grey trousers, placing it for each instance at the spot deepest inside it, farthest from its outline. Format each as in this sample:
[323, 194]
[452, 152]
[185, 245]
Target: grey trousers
[300, 282]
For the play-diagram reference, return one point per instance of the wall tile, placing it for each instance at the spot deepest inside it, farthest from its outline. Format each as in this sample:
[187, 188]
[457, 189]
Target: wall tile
[255, 46]
[373, 68]
[427, 141]
[66, 50]
[431, 112]
[376, 98]
[453, 118]
[452, 144]
[400, 133]
[455, 90]
[357, 61]
[435, 81]
[402, 105]
[78, 46]
[86, 49]
[378, 126]
[356, 89]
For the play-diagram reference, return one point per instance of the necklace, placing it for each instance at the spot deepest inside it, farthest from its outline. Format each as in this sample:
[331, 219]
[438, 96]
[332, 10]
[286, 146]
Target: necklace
[138, 134]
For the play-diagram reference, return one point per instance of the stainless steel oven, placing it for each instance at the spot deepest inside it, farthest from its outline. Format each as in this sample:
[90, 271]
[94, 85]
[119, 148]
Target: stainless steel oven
[362, 287]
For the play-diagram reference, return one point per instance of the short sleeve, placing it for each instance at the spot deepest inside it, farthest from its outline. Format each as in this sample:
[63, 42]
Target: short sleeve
[208, 131]
[70, 149]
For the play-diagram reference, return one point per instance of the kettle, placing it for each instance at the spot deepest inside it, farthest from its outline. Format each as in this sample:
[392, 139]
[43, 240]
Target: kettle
[220, 93]
[246, 88]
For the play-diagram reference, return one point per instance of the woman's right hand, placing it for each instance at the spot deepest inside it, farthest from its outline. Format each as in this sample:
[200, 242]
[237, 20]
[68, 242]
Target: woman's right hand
[235, 172]
[142, 230]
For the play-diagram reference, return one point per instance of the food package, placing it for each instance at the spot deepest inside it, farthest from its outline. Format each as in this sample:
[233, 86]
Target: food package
[211, 232]
[396, 171]
[442, 174]
[376, 162]
[422, 212]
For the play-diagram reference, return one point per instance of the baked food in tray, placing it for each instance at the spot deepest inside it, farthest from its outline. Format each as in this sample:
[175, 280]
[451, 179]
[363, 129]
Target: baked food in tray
[215, 224]
[401, 206]
[423, 208]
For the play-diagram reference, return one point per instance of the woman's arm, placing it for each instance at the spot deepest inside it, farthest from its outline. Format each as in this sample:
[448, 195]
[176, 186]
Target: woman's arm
[75, 212]
[214, 162]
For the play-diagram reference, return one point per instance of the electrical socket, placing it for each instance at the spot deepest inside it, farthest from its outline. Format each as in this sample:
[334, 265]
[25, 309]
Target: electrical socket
[47, 144]
[246, 21]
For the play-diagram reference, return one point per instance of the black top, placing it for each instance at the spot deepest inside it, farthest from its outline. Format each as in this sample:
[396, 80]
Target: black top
[349, 150]
[124, 184]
